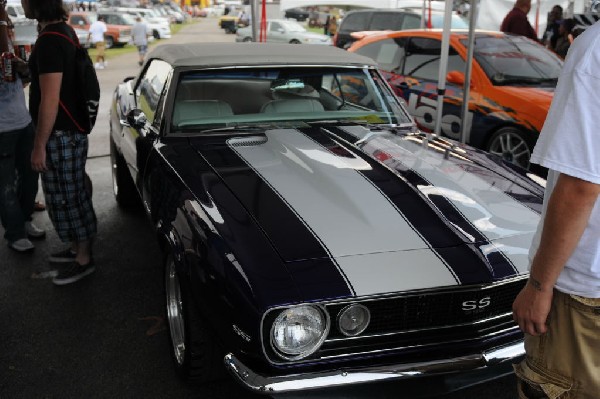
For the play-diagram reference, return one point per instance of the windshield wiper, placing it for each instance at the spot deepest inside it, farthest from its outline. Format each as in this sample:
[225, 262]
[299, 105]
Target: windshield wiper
[244, 128]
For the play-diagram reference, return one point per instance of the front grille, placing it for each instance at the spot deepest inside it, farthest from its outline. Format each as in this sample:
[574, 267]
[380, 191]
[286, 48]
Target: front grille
[433, 310]
[417, 326]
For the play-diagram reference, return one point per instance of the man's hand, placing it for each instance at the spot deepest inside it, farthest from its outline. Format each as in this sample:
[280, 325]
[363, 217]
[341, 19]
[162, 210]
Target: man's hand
[531, 308]
[38, 159]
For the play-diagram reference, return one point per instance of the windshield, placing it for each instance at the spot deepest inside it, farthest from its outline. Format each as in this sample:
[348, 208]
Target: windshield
[234, 97]
[128, 19]
[291, 26]
[437, 21]
[512, 59]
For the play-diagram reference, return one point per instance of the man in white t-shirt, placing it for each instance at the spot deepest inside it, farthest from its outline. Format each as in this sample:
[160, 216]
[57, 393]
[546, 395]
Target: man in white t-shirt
[559, 308]
[96, 33]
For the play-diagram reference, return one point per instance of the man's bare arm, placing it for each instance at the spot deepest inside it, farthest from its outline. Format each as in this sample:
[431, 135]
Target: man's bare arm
[50, 91]
[567, 216]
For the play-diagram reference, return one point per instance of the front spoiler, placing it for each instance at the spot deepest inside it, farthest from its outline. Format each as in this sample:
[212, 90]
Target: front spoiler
[350, 376]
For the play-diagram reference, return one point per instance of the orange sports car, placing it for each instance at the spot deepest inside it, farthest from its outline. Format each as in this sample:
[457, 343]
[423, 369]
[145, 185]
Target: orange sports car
[512, 84]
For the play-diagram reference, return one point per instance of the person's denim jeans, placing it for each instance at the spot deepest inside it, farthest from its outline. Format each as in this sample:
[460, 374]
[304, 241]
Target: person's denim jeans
[18, 182]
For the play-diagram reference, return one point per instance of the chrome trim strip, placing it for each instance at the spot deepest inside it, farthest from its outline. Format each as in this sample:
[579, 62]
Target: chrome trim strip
[327, 379]
[380, 351]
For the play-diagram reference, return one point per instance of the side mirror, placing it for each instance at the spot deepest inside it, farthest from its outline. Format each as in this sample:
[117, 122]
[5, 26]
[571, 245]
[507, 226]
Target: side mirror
[136, 119]
[456, 77]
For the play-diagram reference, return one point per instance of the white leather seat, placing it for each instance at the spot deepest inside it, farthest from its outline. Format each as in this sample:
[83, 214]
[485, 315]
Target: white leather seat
[197, 109]
[293, 105]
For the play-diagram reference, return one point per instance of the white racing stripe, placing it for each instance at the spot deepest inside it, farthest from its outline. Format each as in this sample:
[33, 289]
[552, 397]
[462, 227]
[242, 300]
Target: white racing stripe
[505, 221]
[373, 244]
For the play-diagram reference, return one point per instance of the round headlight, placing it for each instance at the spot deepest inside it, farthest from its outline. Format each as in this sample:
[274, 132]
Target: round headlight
[298, 332]
[353, 320]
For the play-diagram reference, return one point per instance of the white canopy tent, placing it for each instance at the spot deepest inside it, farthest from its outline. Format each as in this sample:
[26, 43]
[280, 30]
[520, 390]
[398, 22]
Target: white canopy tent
[287, 4]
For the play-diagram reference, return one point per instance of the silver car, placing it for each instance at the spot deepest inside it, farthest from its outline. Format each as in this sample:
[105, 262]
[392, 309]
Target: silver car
[285, 31]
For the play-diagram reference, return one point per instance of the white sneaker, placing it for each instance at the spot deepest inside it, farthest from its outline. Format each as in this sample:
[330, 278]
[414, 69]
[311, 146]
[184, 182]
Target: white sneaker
[96, 65]
[21, 245]
[33, 231]
[105, 63]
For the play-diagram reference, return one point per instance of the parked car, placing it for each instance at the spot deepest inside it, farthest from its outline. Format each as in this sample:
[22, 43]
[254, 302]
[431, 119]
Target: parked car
[117, 35]
[512, 85]
[397, 19]
[158, 27]
[26, 33]
[312, 237]
[229, 23]
[284, 31]
[296, 13]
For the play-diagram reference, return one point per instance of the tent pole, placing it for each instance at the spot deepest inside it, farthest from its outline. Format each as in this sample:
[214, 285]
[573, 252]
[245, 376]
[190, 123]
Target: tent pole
[254, 20]
[465, 119]
[441, 90]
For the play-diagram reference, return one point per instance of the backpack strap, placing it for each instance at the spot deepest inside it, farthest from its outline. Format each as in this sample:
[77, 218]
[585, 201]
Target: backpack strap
[77, 45]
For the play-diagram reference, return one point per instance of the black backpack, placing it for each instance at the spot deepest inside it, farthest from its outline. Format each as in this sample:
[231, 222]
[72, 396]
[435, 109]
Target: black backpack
[86, 80]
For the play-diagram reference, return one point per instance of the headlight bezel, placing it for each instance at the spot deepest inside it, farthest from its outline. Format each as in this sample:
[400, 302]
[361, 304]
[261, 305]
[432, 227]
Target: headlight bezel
[304, 354]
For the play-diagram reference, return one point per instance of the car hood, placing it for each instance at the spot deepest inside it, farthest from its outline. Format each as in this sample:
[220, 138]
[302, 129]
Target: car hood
[370, 201]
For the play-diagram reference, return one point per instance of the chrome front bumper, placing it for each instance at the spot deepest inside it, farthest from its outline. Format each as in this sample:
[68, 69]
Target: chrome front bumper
[342, 377]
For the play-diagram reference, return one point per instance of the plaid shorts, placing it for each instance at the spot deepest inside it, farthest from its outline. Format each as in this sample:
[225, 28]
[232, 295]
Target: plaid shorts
[68, 198]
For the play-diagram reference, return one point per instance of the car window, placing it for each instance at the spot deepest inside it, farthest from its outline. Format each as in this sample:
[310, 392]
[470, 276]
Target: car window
[423, 59]
[515, 59]
[410, 21]
[355, 22]
[226, 97]
[388, 53]
[437, 22]
[77, 19]
[150, 87]
[386, 21]
[291, 26]
[275, 26]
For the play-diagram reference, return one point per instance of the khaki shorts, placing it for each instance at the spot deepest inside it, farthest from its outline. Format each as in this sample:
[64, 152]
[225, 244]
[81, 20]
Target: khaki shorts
[100, 47]
[564, 363]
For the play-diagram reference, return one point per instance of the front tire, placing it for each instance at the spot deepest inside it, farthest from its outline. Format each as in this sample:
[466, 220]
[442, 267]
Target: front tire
[196, 355]
[123, 187]
[511, 145]
[294, 41]
[156, 34]
[247, 39]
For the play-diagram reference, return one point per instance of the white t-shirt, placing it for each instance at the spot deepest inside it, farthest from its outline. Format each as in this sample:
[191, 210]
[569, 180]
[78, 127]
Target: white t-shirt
[14, 114]
[570, 144]
[97, 29]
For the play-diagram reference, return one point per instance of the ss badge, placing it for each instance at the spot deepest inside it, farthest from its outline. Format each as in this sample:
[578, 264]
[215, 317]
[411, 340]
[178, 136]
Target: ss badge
[474, 305]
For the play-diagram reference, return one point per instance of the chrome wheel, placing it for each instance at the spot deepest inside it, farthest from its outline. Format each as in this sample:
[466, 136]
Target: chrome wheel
[511, 146]
[175, 316]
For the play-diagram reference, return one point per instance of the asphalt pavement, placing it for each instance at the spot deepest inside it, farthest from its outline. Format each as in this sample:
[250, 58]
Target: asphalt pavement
[105, 336]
